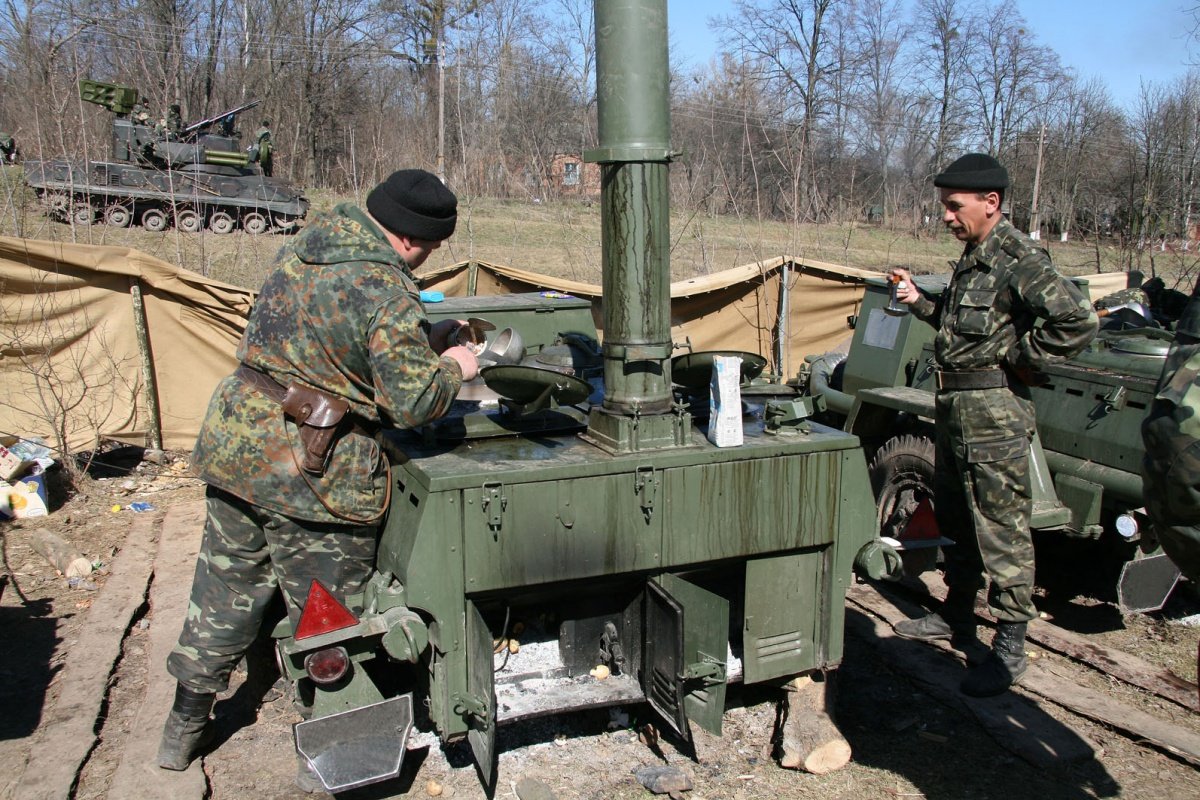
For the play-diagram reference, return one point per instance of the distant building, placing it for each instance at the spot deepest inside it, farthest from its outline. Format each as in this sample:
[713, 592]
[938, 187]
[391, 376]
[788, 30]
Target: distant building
[571, 175]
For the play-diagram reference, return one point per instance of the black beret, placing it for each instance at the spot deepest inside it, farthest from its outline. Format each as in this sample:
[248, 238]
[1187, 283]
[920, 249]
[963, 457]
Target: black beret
[973, 171]
[413, 202]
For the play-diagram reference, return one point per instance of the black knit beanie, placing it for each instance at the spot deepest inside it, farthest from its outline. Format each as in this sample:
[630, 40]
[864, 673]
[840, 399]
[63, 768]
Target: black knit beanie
[413, 202]
[976, 171]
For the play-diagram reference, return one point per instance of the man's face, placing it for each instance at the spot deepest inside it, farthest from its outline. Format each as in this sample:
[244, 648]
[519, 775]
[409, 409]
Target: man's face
[970, 215]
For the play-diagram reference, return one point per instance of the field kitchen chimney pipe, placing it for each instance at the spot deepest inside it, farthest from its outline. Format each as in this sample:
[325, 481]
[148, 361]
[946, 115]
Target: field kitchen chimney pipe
[634, 153]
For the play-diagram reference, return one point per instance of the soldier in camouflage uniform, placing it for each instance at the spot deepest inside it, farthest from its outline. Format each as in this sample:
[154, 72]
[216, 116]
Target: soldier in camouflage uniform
[989, 351]
[340, 314]
[1171, 433]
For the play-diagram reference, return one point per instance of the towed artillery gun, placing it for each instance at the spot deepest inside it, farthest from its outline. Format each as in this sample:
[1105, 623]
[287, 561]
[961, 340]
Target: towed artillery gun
[193, 178]
[568, 537]
[1086, 454]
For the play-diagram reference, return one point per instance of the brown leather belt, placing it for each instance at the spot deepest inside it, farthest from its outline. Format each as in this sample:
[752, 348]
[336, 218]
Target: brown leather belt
[276, 391]
[948, 380]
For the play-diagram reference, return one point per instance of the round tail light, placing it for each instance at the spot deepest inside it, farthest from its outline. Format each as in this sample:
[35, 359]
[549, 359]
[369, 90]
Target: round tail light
[327, 666]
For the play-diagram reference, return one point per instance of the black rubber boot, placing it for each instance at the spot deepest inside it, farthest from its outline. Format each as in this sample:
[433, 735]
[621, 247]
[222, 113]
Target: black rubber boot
[187, 729]
[1004, 665]
[955, 621]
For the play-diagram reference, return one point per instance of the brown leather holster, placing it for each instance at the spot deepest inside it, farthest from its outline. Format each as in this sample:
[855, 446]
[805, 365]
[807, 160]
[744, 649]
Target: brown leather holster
[318, 417]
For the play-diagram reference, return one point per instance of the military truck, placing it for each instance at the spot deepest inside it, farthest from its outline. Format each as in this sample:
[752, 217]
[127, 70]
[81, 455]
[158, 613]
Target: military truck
[1086, 455]
[569, 537]
[161, 174]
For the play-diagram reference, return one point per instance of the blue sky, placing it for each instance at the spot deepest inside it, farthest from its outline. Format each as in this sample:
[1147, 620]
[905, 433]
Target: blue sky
[1122, 42]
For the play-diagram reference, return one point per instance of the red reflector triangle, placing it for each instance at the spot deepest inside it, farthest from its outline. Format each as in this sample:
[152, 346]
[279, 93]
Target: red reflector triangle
[322, 613]
[922, 524]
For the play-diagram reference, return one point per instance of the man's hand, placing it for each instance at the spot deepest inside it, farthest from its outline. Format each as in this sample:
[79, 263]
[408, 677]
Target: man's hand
[906, 290]
[466, 361]
[441, 334]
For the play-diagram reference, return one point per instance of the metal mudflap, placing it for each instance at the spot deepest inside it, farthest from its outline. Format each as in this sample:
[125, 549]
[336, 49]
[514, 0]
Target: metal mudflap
[357, 747]
[1146, 583]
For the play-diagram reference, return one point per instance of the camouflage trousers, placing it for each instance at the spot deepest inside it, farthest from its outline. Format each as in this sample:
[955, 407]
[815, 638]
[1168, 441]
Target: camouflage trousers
[246, 554]
[984, 498]
[1171, 485]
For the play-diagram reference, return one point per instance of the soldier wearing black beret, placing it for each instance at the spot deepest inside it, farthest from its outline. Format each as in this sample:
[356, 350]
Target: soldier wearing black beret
[294, 500]
[990, 350]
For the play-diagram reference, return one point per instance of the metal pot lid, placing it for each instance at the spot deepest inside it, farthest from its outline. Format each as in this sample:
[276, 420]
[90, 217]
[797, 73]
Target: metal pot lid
[694, 370]
[524, 384]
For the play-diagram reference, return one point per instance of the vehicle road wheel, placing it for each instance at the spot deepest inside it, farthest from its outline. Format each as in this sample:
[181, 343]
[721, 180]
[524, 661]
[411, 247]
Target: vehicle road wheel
[154, 220]
[255, 223]
[118, 215]
[83, 214]
[902, 477]
[221, 223]
[188, 220]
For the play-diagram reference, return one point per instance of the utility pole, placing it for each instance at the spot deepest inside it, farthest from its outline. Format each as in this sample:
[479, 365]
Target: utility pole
[441, 144]
[1035, 217]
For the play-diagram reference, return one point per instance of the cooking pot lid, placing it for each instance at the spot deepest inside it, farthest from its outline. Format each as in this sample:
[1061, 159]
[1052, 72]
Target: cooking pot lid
[523, 384]
[694, 370]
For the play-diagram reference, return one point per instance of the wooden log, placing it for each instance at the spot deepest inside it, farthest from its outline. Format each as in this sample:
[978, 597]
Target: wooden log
[62, 556]
[811, 739]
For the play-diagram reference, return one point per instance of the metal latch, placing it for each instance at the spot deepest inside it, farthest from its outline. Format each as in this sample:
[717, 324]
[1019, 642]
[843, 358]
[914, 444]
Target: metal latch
[1115, 399]
[645, 482]
[708, 672]
[469, 705]
[493, 504]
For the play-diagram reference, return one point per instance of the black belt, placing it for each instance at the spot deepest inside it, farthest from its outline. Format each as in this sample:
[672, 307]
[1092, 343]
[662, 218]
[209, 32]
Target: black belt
[276, 391]
[948, 380]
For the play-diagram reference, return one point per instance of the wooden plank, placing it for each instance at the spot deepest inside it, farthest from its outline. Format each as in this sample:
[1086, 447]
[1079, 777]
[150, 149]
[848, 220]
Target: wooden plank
[1042, 680]
[67, 732]
[1117, 663]
[1017, 724]
[138, 774]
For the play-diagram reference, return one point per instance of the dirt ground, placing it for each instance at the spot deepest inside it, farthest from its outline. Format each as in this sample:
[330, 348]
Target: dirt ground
[907, 742]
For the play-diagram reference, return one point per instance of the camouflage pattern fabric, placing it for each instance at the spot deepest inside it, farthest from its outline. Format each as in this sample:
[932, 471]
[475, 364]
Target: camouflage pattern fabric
[986, 318]
[339, 313]
[246, 553]
[982, 485]
[1121, 298]
[1171, 434]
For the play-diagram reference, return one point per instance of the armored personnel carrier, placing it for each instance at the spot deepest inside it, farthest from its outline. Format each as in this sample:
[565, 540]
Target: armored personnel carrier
[193, 177]
[1087, 452]
[568, 537]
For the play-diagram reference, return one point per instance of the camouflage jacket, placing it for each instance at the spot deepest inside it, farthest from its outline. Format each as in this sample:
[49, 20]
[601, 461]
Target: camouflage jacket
[340, 313]
[1000, 289]
[1171, 434]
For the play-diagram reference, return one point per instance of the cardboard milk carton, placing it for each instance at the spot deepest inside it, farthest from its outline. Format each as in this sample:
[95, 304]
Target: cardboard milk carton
[725, 402]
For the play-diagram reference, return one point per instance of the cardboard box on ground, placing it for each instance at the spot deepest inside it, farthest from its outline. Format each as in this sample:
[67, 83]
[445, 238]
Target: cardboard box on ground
[22, 478]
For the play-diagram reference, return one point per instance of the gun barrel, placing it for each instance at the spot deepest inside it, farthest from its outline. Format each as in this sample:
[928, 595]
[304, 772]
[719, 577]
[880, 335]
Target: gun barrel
[204, 123]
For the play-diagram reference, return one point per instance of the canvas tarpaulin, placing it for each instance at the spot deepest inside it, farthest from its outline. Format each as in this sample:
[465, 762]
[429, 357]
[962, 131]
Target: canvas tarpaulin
[71, 353]
[71, 357]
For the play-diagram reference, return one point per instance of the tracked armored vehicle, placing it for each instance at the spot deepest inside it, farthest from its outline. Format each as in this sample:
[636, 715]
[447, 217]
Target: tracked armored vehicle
[1087, 453]
[568, 537]
[194, 178]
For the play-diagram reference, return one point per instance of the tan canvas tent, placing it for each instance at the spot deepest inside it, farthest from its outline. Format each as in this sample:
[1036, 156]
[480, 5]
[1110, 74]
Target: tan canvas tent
[72, 355]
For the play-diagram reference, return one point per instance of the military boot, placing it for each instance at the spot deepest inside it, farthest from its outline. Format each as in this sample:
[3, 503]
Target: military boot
[187, 729]
[1004, 665]
[955, 621]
